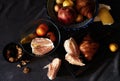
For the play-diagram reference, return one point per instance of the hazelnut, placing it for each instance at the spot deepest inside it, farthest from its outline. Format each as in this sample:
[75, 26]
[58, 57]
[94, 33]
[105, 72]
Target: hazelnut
[23, 62]
[11, 59]
[19, 66]
[26, 70]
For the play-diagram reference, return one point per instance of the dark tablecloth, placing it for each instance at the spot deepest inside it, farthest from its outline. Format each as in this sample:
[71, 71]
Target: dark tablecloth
[15, 14]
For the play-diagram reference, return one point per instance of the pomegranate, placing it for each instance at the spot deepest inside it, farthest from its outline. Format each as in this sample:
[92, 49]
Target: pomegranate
[66, 15]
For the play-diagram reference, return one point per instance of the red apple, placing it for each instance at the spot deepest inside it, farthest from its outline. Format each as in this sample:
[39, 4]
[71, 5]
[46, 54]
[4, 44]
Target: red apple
[66, 15]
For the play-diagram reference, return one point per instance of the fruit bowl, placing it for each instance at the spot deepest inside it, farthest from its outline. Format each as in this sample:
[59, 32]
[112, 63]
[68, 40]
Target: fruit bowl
[40, 38]
[54, 12]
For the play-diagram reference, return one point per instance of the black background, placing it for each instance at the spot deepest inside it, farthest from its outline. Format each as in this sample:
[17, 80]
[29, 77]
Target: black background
[15, 14]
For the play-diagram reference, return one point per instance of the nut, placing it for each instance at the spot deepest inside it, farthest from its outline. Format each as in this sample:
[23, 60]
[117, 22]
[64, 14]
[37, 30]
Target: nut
[23, 62]
[19, 65]
[11, 59]
[26, 70]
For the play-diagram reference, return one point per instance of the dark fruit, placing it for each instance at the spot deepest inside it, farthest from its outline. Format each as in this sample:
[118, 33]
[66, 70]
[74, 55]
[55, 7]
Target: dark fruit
[66, 15]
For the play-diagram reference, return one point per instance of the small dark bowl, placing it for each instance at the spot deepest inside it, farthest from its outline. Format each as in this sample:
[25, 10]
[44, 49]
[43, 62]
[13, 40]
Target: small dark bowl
[31, 28]
[73, 26]
[10, 50]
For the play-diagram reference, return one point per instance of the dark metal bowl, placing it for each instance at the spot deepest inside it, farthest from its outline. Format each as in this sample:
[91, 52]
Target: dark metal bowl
[73, 26]
[31, 27]
[10, 51]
